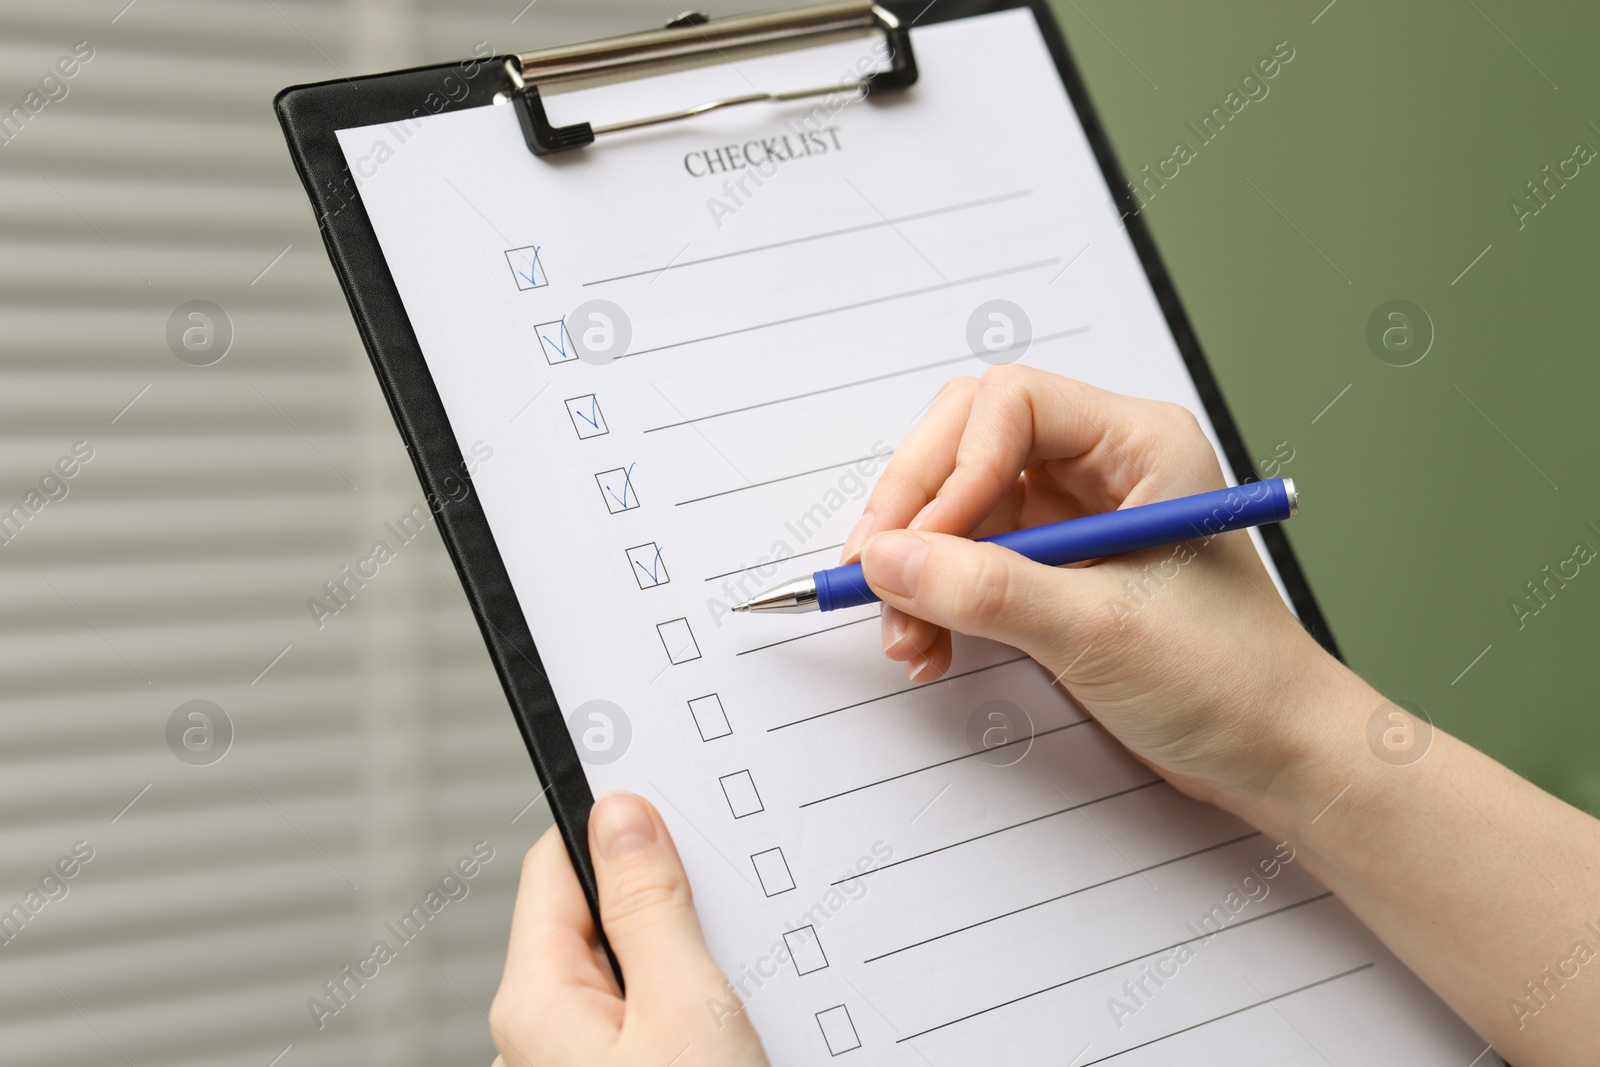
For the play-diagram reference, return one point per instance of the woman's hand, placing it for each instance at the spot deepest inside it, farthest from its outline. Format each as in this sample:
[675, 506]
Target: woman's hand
[1186, 653]
[1474, 877]
[558, 1004]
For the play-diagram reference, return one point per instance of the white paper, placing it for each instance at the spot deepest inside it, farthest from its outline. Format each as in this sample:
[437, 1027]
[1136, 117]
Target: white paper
[1045, 903]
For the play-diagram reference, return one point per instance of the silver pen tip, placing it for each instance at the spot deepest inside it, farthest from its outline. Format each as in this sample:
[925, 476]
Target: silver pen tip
[789, 598]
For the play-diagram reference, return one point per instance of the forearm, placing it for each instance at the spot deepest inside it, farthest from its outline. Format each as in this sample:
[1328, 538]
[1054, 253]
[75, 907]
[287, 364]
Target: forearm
[1481, 882]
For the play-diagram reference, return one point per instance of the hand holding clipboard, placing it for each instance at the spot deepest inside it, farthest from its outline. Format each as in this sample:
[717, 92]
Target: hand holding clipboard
[775, 357]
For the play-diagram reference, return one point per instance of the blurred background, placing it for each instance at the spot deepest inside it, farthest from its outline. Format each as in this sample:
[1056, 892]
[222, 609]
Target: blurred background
[247, 847]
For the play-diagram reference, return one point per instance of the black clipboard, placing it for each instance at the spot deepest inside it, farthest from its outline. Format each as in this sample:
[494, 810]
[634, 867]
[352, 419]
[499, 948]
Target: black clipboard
[311, 115]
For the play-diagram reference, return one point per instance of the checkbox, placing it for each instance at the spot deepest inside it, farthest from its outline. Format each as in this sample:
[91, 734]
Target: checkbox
[617, 488]
[556, 342]
[773, 870]
[709, 718]
[838, 1030]
[649, 569]
[678, 640]
[528, 267]
[805, 950]
[740, 789]
[584, 411]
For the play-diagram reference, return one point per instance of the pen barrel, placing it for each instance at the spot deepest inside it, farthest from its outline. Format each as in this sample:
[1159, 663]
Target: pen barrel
[843, 587]
[1166, 522]
[1108, 534]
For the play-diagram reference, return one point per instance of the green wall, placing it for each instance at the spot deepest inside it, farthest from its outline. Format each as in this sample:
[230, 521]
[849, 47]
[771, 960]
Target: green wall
[1377, 167]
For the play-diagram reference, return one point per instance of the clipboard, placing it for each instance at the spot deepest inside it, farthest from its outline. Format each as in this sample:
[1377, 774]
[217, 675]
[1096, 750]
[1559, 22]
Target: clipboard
[312, 115]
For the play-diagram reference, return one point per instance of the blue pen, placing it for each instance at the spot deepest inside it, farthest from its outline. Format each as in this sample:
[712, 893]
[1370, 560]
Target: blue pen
[1093, 537]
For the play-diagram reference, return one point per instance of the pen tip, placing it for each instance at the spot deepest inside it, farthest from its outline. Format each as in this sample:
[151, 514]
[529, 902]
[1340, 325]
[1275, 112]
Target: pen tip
[742, 607]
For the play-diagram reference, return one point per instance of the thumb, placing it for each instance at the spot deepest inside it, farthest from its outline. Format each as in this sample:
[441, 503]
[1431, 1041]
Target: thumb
[646, 908]
[974, 588]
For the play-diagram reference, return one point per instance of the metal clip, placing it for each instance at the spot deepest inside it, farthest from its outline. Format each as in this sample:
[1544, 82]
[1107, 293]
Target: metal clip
[692, 39]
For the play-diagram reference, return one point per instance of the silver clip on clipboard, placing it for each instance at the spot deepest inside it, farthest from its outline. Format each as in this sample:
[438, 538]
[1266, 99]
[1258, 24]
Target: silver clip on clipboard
[693, 40]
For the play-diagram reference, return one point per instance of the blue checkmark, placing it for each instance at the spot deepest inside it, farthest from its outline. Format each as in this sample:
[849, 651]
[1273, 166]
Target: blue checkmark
[653, 572]
[560, 342]
[593, 418]
[627, 488]
[552, 339]
[531, 277]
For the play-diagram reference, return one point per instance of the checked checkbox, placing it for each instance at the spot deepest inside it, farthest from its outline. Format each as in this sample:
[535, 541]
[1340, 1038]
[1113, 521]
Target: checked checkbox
[617, 488]
[527, 267]
[649, 570]
[556, 342]
[587, 419]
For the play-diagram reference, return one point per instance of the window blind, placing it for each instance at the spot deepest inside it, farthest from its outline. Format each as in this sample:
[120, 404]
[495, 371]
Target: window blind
[212, 901]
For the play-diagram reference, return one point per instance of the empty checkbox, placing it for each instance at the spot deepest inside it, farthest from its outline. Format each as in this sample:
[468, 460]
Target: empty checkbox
[805, 950]
[740, 789]
[773, 870]
[838, 1029]
[678, 640]
[709, 718]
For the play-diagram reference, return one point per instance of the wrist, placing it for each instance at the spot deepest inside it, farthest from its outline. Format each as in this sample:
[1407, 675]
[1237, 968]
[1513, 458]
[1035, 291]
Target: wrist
[1320, 750]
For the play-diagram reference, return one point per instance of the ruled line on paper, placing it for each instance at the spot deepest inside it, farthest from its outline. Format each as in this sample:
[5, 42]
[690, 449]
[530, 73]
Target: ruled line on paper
[907, 294]
[783, 478]
[788, 242]
[1111, 967]
[802, 637]
[775, 562]
[1003, 829]
[1041, 339]
[1231, 1014]
[1028, 740]
[897, 692]
[1063, 896]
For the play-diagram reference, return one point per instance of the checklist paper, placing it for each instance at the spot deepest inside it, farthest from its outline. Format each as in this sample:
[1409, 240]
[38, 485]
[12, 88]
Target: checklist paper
[689, 351]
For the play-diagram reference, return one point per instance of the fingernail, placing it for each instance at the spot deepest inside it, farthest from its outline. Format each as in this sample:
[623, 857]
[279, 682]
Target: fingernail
[924, 515]
[894, 561]
[894, 627]
[858, 537]
[919, 668]
[622, 824]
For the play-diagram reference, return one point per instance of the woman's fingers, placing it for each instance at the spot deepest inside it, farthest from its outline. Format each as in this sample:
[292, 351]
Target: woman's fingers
[1097, 446]
[647, 909]
[980, 589]
[558, 1002]
[923, 647]
[551, 971]
[931, 665]
[904, 636]
[1018, 447]
[919, 467]
[551, 929]
[958, 470]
